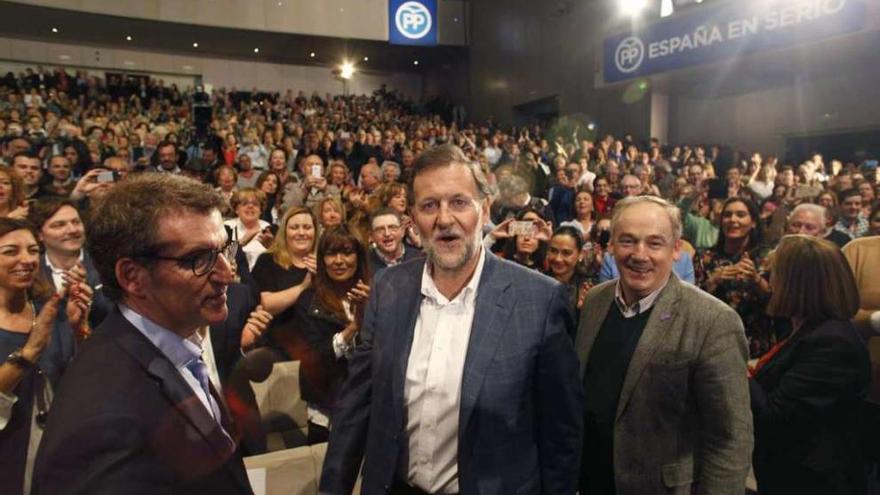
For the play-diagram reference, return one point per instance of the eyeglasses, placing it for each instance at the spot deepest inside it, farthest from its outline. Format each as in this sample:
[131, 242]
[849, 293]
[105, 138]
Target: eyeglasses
[387, 228]
[201, 262]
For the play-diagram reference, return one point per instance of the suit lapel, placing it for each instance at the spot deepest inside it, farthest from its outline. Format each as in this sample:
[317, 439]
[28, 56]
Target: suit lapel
[591, 321]
[179, 394]
[662, 316]
[491, 311]
[409, 303]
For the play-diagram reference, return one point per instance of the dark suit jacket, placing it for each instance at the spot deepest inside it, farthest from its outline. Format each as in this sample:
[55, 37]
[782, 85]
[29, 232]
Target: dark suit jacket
[226, 337]
[806, 401]
[683, 423]
[101, 306]
[125, 421]
[520, 417]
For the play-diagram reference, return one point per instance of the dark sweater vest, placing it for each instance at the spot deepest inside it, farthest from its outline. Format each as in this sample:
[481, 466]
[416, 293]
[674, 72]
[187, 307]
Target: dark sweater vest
[603, 378]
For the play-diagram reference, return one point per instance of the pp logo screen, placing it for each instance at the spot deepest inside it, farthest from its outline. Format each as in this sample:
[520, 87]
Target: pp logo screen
[629, 54]
[413, 20]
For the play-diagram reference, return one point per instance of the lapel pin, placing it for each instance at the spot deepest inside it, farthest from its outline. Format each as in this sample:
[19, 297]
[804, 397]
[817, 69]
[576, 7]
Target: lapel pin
[665, 316]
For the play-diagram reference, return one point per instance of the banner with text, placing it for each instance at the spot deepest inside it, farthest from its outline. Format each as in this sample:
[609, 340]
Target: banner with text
[412, 22]
[716, 32]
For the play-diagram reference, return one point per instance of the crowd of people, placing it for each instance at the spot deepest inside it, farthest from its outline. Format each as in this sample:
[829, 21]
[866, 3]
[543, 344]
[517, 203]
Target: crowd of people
[317, 199]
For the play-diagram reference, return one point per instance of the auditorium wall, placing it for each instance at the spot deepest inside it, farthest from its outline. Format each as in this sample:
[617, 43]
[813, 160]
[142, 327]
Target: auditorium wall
[214, 71]
[353, 19]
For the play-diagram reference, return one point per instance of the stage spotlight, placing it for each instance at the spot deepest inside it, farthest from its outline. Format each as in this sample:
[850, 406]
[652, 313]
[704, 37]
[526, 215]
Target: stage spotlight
[346, 70]
[632, 7]
[666, 8]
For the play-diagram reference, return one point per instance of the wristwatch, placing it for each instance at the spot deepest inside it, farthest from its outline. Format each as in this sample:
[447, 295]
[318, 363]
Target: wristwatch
[18, 359]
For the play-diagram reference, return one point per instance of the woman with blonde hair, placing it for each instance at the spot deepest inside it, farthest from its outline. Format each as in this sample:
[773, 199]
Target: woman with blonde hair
[285, 270]
[11, 195]
[807, 390]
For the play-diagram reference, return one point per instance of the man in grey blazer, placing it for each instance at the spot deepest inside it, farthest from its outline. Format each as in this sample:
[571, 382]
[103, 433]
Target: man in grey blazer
[663, 367]
[465, 381]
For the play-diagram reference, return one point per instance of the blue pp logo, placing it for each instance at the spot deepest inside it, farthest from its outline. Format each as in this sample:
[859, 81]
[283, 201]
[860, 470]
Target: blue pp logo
[413, 20]
[629, 54]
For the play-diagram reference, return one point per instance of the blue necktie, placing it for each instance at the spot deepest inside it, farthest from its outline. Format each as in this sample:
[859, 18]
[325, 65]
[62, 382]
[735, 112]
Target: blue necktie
[200, 370]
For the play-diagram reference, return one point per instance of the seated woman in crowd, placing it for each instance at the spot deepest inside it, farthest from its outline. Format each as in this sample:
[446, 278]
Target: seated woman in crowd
[330, 213]
[565, 256]
[11, 195]
[252, 233]
[806, 391]
[584, 213]
[527, 248]
[603, 202]
[268, 182]
[328, 316]
[40, 343]
[285, 271]
[732, 271]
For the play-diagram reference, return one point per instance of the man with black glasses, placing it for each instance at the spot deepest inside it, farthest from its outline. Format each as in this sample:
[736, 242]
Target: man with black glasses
[138, 412]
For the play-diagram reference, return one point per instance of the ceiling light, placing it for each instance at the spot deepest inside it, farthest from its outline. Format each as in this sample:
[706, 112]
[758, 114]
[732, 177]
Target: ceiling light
[632, 7]
[415, 62]
[312, 54]
[366, 59]
[666, 8]
[54, 30]
[256, 50]
[346, 70]
[128, 38]
[195, 45]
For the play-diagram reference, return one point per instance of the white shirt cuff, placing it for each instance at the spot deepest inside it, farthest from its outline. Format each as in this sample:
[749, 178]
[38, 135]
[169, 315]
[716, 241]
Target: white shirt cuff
[875, 321]
[340, 347]
[6, 403]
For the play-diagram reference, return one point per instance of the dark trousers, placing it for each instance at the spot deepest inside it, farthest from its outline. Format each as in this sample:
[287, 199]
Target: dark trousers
[401, 488]
[317, 434]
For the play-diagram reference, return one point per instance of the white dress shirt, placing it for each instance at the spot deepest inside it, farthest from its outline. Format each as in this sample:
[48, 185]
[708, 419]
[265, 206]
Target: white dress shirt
[58, 273]
[432, 391]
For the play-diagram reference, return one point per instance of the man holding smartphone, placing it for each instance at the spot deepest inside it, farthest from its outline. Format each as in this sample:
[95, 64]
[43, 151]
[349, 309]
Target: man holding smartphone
[310, 186]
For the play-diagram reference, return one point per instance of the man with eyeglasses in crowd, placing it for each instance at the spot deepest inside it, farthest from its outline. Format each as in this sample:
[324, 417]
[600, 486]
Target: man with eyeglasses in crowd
[386, 241]
[138, 411]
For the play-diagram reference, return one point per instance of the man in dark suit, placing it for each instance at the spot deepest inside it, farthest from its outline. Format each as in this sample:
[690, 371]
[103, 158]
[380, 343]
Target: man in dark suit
[663, 365]
[62, 234]
[465, 380]
[137, 412]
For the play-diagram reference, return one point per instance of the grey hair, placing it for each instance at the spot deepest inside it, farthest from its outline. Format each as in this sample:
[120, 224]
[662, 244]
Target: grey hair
[817, 210]
[671, 210]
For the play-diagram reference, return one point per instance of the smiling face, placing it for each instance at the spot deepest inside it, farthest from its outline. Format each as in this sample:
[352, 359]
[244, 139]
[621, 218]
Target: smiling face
[330, 214]
[63, 232]
[341, 264]
[248, 209]
[19, 258]
[300, 235]
[736, 221]
[644, 248]
[387, 234]
[562, 256]
[449, 214]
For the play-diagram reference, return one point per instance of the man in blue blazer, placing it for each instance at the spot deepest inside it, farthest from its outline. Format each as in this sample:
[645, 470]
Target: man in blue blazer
[465, 379]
